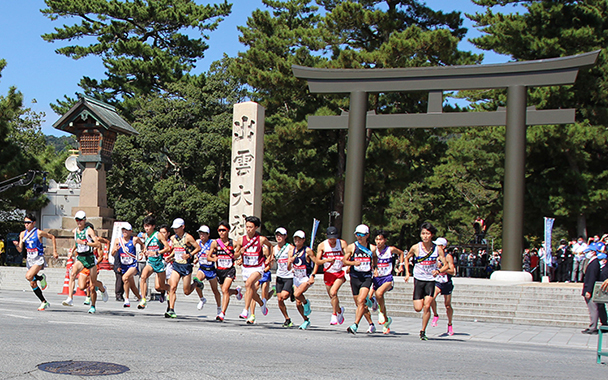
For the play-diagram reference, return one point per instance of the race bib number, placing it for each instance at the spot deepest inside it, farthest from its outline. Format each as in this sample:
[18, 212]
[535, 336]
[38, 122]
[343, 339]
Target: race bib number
[365, 264]
[224, 262]
[250, 260]
[384, 269]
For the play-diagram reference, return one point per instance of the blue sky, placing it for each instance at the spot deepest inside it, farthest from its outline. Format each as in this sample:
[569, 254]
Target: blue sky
[44, 76]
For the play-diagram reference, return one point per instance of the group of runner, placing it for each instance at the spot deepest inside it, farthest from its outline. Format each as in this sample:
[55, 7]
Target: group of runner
[173, 258]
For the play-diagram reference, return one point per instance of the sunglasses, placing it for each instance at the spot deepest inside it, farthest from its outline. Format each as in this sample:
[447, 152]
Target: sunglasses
[79, 220]
[27, 221]
[360, 234]
[222, 230]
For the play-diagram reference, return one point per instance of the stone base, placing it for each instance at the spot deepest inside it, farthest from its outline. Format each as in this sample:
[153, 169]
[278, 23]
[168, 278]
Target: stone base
[511, 276]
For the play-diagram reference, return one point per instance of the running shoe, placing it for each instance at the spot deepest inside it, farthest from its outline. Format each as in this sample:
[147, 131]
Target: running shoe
[104, 294]
[375, 304]
[161, 297]
[304, 325]
[142, 304]
[341, 316]
[272, 291]
[369, 303]
[43, 283]
[333, 320]
[87, 301]
[244, 314]
[92, 310]
[127, 303]
[264, 307]
[251, 319]
[450, 330]
[288, 323]
[170, 314]
[239, 293]
[387, 326]
[68, 302]
[423, 336]
[199, 283]
[434, 322]
[352, 329]
[307, 309]
[381, 318]
[43, 306]
[371, 329]
[201, 303]
[220, 317]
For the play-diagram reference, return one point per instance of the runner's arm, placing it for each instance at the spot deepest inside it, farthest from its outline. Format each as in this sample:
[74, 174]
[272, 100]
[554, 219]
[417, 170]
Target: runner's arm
[444, 263]
[412, 252]
[348, 252]
[211, 256]
[401, 263]
[52, 237]
[193, 243]
[238, 244]
[19, 245]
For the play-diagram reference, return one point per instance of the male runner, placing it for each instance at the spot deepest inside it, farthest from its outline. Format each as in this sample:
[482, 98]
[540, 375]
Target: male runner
[86, 241]
[303, 261]
[255, 260]
[31, 238]
[283, 254]
[206, 270]
[383, 277]
[444, 286]
[185, 249]
[425, 255]
[222, 253]
[125, 247]
[155, 246]
[363, 256]
[330, 254]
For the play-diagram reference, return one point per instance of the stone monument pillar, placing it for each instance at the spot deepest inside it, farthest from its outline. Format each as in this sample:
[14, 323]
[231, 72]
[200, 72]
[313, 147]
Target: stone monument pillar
[246, 168]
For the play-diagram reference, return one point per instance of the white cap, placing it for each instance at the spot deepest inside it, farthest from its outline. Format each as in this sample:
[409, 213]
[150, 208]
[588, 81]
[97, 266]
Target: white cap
[300, 234]
[127, 226]
[441, 241]
[80, 215]
[281, 231]
[177, 223]
[204, 229]
[362, 229]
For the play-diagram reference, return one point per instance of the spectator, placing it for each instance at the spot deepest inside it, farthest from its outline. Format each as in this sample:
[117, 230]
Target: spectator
[534, 264]
[577, 263]
[596, 310]
[526, 261]
[463, 263]
[2, 254]
[564, 261]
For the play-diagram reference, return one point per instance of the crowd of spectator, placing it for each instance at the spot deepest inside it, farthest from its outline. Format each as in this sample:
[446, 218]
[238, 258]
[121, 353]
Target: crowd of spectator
[567, 263]
[475, 262]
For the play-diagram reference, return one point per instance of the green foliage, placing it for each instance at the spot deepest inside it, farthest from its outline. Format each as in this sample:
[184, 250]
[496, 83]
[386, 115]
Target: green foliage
[179, 164]
[304, 169]
[144, 44]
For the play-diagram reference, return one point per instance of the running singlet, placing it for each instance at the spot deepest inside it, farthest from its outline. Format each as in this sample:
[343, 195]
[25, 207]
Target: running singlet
[253, 255]
[33, 245]
[83, 249]
[423, 269]
[225, 254]
[443, 277]
[282, 256]
[300, 269]
[128, 255]
[153, 245]
[336, 253]
[385, 262]
[364, 256]
[202, 256]
[179, 247]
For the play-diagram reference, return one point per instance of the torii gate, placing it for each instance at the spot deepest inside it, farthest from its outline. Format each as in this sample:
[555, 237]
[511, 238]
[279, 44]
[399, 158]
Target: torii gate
[515, 76]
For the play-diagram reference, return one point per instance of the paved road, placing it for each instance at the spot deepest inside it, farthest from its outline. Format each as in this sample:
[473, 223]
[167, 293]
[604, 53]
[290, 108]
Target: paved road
[194, 346]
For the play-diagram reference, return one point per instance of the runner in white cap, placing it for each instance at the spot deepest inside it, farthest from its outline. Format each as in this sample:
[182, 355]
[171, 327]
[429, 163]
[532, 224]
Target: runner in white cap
[330, 254]
[304, 270]
[360, 255]
[283, 254]
[185, 249]
[86, 241]
[383, 277]
[125, 247]
[31, 239]
[206, 270]
[444, 286]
